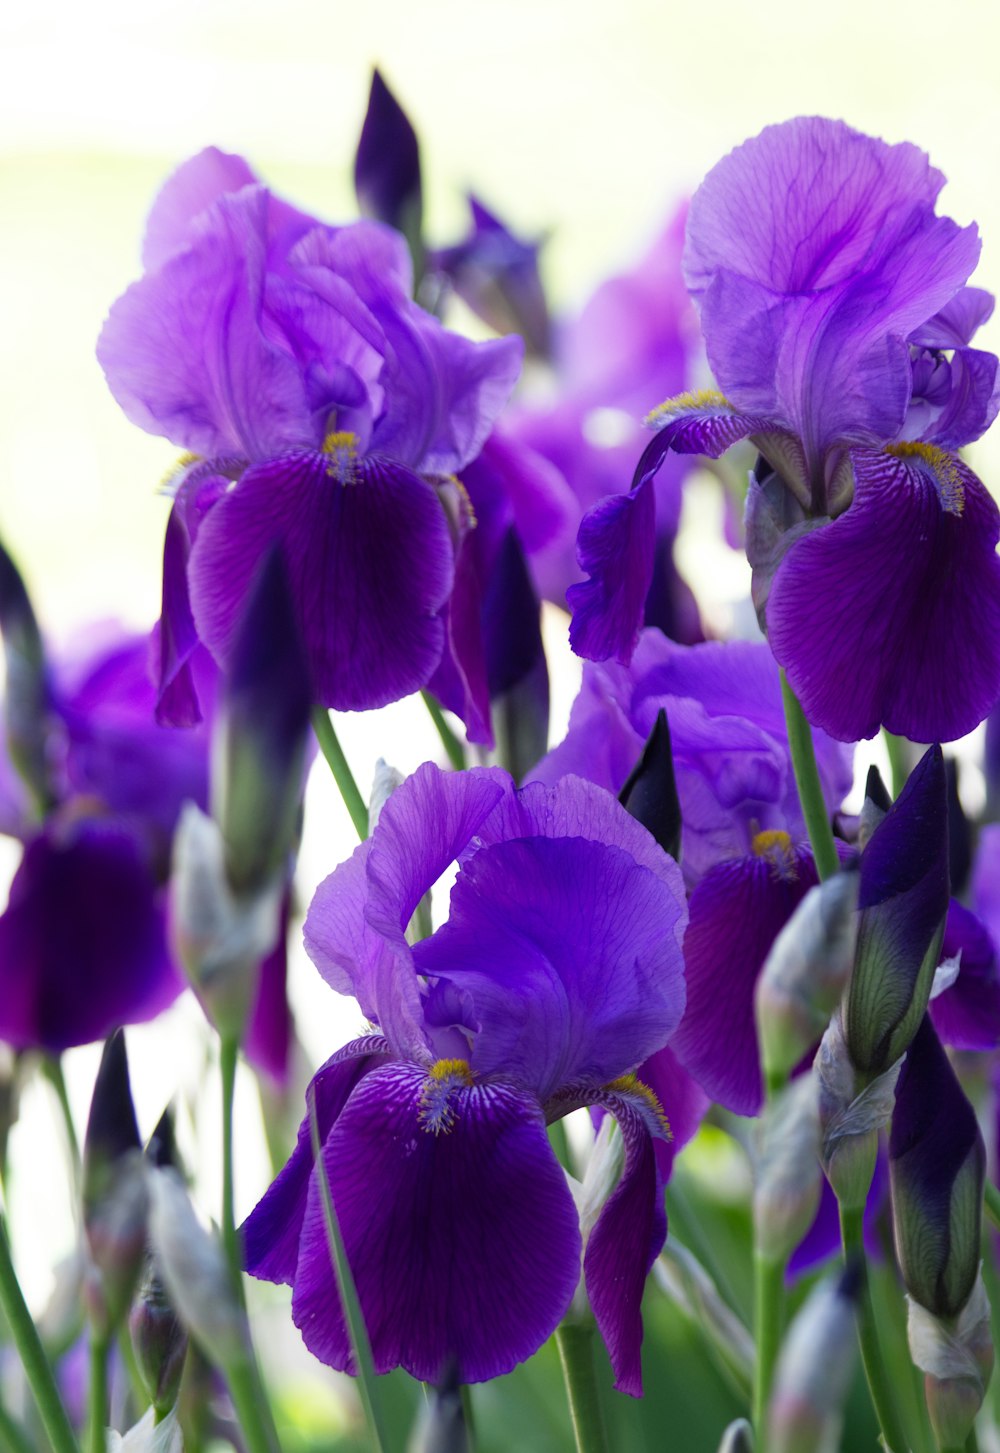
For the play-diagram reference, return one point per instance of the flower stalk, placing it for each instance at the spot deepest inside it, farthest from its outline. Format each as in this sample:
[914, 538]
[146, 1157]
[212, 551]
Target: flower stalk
[814, 811]
[342, 774]
[575, 1343]
[883, 1399]
[24, 1335]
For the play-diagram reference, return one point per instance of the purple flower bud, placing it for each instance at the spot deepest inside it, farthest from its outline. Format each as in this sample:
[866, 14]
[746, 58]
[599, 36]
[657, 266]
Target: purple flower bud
[903, 902]
[159, 1339]
[26, 701]
[937, 1163]
[262, 726]
[496, 274]
[114, 1190]
[650, 793]
[877, 802]
[387, 165]
[814, 1371]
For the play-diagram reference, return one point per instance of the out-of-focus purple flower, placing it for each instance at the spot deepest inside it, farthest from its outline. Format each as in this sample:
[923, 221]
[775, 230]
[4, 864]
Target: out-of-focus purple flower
[837, 323]
[531, 1000]
[730, 746]
[324, 406]
[634, 341]
[496, 274]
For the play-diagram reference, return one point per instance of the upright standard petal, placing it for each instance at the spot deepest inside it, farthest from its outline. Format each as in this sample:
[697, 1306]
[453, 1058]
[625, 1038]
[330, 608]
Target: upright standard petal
[370, 561]
[890, 616]
[457, 1222]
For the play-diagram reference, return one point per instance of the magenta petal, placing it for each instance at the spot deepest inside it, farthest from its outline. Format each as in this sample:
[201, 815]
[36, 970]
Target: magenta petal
[627, 1238]
[82, 945]
[370, 560]
[464, 1244]
[890, 616]
[737, 911]
[615, 547]
[271, 1232]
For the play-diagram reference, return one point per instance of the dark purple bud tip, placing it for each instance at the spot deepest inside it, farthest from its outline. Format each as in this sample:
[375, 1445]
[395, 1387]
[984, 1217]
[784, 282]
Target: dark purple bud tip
[387, 163]
[263, 726]
[959, 833]
[442, 1427]
[112, 1130]
[650, 793]
[937, 1165]
[161, 1148]
[876, 792]
[903, 902]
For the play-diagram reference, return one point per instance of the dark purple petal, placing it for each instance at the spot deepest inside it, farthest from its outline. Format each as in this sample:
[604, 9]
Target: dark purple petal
[460, 682]
[267, 1043]
[628, 1236]
[82, 946]
[176, 638]
[703, 423]
[186, 352]
[568, 951]
[387, 162]
[615, 547]
[967, 1016]
[462, 1236]
[271, 1232]
[890, 616]
[369, 557]
[737, 911]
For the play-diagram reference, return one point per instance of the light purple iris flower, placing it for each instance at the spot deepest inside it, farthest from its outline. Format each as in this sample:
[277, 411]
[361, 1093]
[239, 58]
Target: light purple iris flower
[558, 971]
[324, 408]
[838, 325]
[634, 341]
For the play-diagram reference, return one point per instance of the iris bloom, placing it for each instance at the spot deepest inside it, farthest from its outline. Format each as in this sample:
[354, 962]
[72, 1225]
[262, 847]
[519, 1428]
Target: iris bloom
[558, 972]
[325, 408]
[838, 326]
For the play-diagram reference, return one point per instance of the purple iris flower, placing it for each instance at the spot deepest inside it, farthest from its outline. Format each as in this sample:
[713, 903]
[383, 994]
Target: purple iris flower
[558, 971]
[324, 408]
[635, 340]
[838, 325]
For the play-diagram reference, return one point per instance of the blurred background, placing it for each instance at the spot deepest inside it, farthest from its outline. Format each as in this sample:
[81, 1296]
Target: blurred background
[587, 122]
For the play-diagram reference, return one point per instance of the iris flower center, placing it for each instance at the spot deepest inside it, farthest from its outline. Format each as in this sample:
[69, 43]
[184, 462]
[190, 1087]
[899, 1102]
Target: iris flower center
[341, 447]
[704, 399]
[445, 1078]
[944, 471]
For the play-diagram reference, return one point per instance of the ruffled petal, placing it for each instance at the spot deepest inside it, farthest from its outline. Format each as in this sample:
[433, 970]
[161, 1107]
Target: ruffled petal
[271, 1232]
[176, 635]
[737, 911]
[192, 189]
[615, 547]
[370, 561]
[890, 616]
[628, 1237]
[82, 944]
[957, 322]
[457, 1222]
[967, 1016]
[569, 954]
[972, 403]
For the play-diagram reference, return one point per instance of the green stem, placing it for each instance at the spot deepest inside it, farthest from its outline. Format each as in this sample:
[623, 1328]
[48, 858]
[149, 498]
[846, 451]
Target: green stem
[800, 743]
[24, 1335]
[228, 1052]
[252, 1409]
[97, 1402]
[451, 744]
[53, 1072]
[972, 1442]
[852, 1235]
[342, 775]
[896, 748]
[575, 1343]
[13, 1438]
[991, 1203]
[470, 1426]
[769, 1290]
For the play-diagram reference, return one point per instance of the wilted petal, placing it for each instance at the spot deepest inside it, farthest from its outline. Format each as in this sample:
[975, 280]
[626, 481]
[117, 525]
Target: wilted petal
[890, 616]
[463, 1244]
[370, 562]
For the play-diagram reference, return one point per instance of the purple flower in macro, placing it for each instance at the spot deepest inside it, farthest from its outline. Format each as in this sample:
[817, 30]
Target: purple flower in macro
[838, 325]
[324, 408]
[558, 972]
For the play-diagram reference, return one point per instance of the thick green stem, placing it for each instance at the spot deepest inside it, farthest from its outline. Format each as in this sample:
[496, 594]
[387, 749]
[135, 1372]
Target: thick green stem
[24, 1335]
[228, 1053]
[342, 775]
[575, 1343]
[991, 1203]
[53, 1071]
[97, 1402]
[852, 1235]
[896, 748]
[817, 819]
[252, 1409]
[769, 1291]
[972, 1442]
[451, 744]
[13, 1438]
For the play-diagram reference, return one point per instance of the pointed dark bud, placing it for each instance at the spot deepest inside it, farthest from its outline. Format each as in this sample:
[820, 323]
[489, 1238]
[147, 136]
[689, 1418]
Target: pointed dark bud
[516, 670]
[496, 274]
[937, 1165]
[441, 1426]
[876, 804]
[114, 1190]
[387, 167]
[650, 794]
[260, 742]
[26, 695]
[959, 833]
[903, 902]
[161, 1149]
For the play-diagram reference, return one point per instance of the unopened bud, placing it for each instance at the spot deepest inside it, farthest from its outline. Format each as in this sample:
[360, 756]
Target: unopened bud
[805, 973]
[878, 800]
[259, 747]
[956, 1356]
[387, 167]
[902, 901]
[159, 1339]
[851, 1114]
[738, 1438]
[384, 784]
[937, 1166]
[496, 274]
[195, 1271]
[814, 1370]
[441, 1426]
[114, 1191]
[219, 938]
[787, 1178]
[650, 794]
